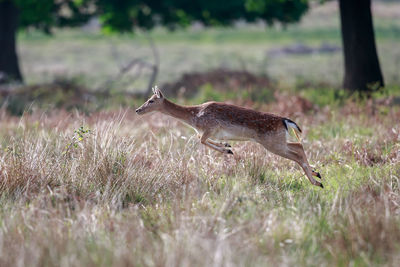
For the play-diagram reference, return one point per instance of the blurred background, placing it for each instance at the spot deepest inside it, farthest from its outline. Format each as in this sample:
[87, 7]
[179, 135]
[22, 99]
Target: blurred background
[79, 53]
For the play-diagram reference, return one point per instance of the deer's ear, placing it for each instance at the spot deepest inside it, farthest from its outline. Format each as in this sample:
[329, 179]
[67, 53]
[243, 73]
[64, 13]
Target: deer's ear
[159, 93]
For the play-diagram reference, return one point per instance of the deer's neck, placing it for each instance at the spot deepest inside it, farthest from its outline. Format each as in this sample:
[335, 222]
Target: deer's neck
[180, 112]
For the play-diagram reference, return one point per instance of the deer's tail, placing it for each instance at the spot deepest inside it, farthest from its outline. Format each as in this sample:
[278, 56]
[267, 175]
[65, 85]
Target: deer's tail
[292, 126]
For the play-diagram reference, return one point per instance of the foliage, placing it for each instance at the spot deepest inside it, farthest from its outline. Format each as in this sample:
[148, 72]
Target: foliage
[125, 15]
[174, 13]
[77, 139]
[45, 14]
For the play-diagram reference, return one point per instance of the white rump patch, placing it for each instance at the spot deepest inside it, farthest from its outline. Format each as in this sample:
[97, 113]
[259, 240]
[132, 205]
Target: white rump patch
[292, 132]
[291, 125]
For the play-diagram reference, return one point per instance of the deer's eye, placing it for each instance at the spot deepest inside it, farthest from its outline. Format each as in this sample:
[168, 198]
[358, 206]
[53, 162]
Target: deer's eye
[151, 101]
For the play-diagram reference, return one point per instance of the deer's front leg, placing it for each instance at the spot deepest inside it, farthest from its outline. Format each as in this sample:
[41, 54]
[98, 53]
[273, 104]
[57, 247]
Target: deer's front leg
[220, 144]
[219, 147]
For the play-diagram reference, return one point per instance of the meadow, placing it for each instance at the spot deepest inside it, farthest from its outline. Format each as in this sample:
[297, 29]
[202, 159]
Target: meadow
[107, 187]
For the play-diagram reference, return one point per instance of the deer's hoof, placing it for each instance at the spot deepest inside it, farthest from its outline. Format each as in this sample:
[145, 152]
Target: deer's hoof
[229, 151]
[227, 145]
[321, 185]
[316, 174]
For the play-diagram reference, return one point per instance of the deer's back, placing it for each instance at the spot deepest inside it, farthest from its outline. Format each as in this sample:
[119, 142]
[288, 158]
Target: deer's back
[227, 115]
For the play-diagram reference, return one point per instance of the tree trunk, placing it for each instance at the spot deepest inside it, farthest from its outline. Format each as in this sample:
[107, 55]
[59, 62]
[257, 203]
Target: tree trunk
[362, 70]
[9, 68]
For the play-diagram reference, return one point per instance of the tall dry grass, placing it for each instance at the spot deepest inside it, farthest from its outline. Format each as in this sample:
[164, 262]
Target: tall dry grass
[116, 189]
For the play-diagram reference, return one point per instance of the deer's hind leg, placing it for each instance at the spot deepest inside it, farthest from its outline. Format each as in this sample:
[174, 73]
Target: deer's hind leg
[298, 148]
[295, 152]
[315, 173]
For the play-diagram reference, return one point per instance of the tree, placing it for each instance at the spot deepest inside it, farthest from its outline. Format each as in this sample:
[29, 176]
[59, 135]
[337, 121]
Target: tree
[8, 56]
[41, 14]
[362, 69]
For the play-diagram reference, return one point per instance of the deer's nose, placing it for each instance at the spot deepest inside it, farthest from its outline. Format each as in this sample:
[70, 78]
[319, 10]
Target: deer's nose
[138, 110]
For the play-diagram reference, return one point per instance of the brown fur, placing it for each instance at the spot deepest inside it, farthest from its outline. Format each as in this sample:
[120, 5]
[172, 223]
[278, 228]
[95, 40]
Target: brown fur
[260, 122]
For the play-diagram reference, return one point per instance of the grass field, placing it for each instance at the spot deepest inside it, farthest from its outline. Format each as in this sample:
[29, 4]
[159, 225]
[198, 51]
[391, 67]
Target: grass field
[110, 188]
[128, 190]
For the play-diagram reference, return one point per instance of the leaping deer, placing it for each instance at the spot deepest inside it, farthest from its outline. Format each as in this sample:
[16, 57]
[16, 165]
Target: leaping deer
[224, 122]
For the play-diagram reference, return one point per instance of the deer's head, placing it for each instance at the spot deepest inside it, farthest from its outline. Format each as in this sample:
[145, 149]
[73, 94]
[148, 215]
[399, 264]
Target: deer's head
[154, 103]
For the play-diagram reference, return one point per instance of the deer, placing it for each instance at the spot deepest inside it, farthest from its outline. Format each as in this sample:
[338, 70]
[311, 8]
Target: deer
[217, 123]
